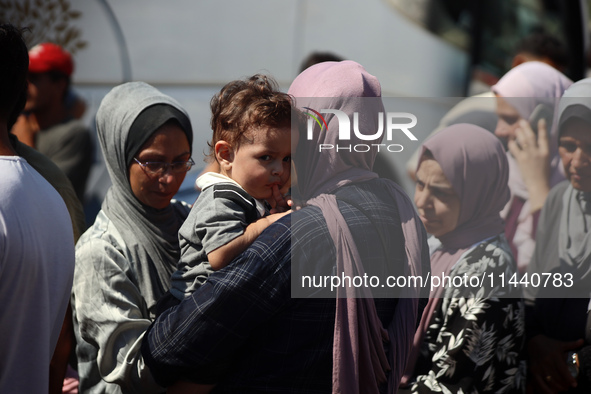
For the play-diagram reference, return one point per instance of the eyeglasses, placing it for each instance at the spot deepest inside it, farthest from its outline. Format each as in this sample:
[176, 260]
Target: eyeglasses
[159, 167]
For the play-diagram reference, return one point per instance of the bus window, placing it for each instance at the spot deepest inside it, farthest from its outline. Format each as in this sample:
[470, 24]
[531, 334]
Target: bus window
[490, 30]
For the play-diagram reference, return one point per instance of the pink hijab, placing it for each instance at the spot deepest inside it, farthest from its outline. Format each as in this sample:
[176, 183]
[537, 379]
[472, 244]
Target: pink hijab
[335, 85]
[360, 364]
[474, 162]
[524, 87]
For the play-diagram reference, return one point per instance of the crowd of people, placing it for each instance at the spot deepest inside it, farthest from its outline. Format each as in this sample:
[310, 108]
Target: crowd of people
[160, 296]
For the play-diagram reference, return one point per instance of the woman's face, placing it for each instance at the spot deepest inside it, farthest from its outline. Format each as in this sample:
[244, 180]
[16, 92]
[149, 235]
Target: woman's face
[437, 202]
[508, 120]
[168, 144]
[575, 153]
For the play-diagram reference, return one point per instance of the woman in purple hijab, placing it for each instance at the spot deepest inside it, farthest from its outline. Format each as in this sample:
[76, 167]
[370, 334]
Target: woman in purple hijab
[372, 336]
[471, 336]
[526, 91]
[256, 326]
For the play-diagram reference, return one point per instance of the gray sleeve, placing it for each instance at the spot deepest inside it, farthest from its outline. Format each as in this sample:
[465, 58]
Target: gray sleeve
[111, 317]
[218, 221]
[212, 222]
[72, 151]
[545, 255]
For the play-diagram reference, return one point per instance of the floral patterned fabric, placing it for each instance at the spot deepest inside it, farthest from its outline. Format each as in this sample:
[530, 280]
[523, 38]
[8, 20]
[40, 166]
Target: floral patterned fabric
[475, 341]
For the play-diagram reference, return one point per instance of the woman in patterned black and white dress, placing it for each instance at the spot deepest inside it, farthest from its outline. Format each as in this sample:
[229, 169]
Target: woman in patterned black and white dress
[471, 336]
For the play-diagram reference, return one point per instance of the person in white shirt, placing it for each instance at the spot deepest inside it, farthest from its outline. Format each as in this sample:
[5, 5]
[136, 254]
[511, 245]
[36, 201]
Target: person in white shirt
[36, 244]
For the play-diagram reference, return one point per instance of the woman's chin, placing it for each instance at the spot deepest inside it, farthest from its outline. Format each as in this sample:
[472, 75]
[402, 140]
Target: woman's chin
[158, 201]
[431, 226]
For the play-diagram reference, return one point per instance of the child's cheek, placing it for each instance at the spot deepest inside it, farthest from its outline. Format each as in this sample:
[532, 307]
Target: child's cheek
[286, 186]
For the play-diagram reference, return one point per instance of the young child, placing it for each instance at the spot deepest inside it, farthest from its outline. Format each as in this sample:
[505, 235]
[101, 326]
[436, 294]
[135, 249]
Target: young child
[251, 122]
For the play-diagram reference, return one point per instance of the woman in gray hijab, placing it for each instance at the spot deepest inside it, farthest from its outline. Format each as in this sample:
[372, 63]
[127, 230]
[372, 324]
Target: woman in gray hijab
[124, 261]
[557, 318]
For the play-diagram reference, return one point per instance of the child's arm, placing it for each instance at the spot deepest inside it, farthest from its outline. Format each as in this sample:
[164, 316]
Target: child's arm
[223, 255]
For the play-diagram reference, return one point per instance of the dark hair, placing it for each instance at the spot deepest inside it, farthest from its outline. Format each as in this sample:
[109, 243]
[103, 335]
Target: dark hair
[319, 57]
[13, 72]
[243, 104]
[544, 45]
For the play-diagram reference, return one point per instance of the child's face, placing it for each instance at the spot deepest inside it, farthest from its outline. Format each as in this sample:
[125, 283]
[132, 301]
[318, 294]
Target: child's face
[264, 163]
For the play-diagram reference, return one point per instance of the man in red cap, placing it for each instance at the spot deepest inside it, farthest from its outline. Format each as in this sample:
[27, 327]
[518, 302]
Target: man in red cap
[47, 123]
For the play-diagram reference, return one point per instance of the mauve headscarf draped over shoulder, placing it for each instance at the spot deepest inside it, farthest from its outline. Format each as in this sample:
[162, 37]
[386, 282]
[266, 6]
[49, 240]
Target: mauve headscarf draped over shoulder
[473, 160]
[337, 85]
[359, 360]
[127, 117]
[524, 87]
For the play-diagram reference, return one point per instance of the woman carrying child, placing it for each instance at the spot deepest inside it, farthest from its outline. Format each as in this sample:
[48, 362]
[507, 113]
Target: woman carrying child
[125, 259]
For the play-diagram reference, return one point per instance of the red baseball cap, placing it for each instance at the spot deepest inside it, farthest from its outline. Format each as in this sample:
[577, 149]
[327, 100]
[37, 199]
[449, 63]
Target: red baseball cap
[50, 57]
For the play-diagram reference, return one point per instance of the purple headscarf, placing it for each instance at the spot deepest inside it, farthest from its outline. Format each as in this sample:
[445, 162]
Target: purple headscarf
[530, 84]
[524, 87]
[339, 86]
[359, 360]
[536, 80]
[473, 160]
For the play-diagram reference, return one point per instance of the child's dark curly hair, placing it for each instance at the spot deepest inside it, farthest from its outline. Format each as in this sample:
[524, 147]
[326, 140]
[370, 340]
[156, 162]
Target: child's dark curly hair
[243, 104]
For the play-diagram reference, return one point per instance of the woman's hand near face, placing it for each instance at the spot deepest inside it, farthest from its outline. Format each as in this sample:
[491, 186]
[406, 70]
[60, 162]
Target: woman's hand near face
[532, 156]
[547, 364]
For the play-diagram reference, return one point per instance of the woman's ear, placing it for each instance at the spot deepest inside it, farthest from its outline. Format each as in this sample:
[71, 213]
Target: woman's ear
[224, 154]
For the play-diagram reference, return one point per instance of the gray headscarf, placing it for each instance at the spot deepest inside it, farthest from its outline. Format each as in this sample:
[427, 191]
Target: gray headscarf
[574, 241]
[150, 234]
[563, 244]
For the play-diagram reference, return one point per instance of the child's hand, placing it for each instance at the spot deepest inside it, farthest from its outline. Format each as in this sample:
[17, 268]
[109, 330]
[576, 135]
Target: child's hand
[279, 202]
